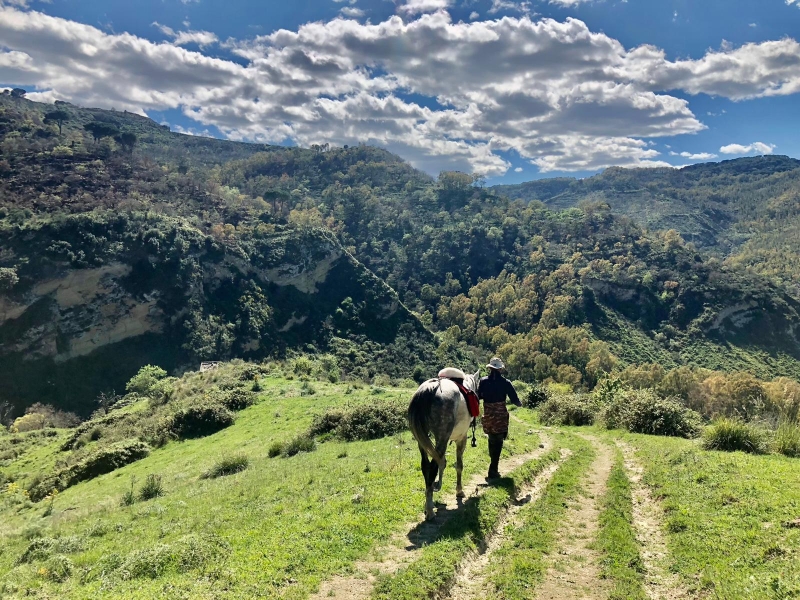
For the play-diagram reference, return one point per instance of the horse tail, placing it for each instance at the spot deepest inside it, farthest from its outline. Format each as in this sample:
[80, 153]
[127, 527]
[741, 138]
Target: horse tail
[416, 422]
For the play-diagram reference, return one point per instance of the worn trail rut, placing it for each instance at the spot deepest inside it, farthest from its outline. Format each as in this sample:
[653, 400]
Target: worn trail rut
[574, 572]
[660, 584]
[404, 547]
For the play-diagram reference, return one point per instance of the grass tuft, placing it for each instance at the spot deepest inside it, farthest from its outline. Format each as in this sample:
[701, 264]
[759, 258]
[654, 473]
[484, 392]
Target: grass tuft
[787, 439]
[151, 488]
[731, 435]
[228, 465]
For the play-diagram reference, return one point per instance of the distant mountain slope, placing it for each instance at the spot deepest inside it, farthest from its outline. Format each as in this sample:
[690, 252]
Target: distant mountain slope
[748, 208]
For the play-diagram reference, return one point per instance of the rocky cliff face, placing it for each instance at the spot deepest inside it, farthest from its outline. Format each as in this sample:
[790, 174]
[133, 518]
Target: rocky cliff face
[98, 297]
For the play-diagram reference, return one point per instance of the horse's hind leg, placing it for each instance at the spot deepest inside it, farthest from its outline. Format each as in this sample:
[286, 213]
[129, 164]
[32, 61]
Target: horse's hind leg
[441, 448]
[460, 445]
[428, 468]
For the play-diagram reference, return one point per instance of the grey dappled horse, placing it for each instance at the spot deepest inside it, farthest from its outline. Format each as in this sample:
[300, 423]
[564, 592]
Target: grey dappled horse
[439, 410]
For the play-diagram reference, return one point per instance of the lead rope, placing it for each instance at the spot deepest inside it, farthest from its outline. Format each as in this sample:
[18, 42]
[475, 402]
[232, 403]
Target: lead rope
[474, 423]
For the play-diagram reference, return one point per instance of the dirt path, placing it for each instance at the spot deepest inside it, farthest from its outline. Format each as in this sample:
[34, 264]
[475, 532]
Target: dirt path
[403, 547]
[660, 584]
[471, 581]
[575, 572]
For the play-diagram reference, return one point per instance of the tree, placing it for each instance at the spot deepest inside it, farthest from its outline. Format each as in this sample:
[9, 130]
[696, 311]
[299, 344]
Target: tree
[18, 93]
[127, 139]
[101, 130]
[58, 117]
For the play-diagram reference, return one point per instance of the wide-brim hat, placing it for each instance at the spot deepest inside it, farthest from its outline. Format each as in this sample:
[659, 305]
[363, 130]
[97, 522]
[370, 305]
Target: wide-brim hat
[496, 363]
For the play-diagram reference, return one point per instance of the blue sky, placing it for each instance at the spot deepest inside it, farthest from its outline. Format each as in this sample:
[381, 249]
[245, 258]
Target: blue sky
[716, 74]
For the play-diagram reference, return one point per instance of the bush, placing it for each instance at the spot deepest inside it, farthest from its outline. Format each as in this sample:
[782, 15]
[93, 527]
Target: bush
[275, 449]
[237, 400]
[730, 435]
[151, 488]
[306, 389]
[326, 423]
[372, 421]
[198, 421]
[103, 461]
[145, 380]
[190, 552]
[228, 465]
[644, 411]
[302, 443]
[58, 568]
[572, 409]
[45, 547]
[536, 395]
[787, 439]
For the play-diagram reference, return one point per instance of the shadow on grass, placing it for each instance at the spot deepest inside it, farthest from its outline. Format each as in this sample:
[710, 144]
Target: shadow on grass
[468, 523]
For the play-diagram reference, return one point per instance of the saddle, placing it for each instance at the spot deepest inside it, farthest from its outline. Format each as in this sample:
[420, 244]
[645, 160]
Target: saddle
[471, 397]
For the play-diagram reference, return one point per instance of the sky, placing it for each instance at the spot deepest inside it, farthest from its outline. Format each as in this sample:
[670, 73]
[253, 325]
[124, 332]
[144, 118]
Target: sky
[512, 90]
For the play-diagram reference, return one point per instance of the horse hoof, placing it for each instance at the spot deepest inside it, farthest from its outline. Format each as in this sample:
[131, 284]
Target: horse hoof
[461, 494]
[430, 516]
[437, 487]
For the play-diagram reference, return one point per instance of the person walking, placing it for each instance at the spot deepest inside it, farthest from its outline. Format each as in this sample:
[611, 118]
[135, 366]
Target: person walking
[493, 390]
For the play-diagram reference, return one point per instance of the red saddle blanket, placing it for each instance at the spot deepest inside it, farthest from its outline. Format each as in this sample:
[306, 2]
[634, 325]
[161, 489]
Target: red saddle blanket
[472, 400]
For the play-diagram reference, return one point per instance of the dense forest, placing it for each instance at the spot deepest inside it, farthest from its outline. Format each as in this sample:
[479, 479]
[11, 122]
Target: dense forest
[236, 250]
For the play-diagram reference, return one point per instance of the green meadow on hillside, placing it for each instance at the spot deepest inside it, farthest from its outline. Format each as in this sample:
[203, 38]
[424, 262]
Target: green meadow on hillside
[284, 525]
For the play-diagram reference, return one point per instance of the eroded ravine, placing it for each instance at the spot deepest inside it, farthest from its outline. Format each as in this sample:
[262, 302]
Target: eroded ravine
[404, 547]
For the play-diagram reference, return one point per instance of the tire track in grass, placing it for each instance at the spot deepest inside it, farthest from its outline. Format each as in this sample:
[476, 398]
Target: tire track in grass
[659, 582]
[405, 547]
[471, 581]
[575, 571]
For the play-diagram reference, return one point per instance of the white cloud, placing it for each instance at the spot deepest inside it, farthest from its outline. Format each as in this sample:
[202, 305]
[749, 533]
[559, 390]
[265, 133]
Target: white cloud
[559, 95]
[352, 12]
[474, 15]
[791, 2]
[413, 7]
[181, 38]
[698, 156]
[518, 170]
[754, 148]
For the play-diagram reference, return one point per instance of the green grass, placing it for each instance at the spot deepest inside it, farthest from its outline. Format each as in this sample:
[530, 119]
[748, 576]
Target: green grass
[724, 518]
[276, 529]
[621, 562]
[436, 567]
[520, 564]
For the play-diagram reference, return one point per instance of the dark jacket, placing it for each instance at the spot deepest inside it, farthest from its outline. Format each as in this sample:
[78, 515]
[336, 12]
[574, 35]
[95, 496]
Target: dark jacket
[495, 388]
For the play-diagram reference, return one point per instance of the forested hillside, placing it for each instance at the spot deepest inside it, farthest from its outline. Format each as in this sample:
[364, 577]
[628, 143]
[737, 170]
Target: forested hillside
[745, 210]
[121, 239]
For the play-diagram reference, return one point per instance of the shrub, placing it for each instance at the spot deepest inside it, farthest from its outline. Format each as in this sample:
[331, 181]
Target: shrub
[307, 389]
[151, 488]
[536, 395]
[275, 449]
[39, 416]
[572, 409]
[198, 421]
[145, 380]
[644, 411]
[734, 434]
[102, 461]
[190, 552]
[45, 547]
[236, 400]
[302, 443]
[326, 423]
[58, 568]
[787, 439]
[228, 465]
[372, 421]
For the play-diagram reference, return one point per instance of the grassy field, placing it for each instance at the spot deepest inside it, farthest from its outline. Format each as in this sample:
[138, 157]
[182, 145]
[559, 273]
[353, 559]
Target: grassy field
[281, 526]
[274, 530]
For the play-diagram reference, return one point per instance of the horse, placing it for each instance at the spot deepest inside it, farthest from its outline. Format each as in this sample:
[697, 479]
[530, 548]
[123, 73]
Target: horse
[439, 409]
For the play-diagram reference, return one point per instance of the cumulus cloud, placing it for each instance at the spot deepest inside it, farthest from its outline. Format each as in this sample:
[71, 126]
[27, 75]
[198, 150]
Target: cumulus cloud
[352, 11]
[413, 7]
[754, 148]
[698, 156]
[558, 94]
[181, 38]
